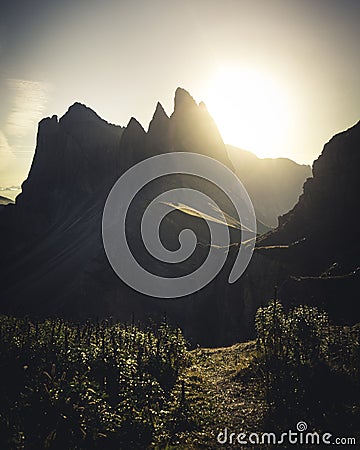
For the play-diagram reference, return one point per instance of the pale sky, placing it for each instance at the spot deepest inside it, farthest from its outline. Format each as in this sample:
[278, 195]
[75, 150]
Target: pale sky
[280, 77]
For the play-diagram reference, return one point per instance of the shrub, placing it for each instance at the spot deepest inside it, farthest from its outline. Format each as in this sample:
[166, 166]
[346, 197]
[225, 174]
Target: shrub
[310, 367]
[92, 385]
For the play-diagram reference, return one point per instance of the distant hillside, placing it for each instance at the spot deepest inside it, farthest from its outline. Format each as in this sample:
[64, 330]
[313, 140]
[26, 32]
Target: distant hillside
[274, 185]
[5, 200]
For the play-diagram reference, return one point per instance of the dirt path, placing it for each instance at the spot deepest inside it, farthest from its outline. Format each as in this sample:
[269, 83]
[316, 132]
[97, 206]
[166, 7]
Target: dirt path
[221, 386]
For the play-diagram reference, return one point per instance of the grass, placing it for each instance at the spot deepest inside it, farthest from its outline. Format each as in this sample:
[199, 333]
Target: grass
[225, 387]
[117, 386]
[91, 385]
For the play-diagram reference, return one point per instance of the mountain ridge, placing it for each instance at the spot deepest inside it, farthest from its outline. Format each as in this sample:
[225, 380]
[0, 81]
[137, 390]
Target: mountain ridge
[53, 260]
[56, 221]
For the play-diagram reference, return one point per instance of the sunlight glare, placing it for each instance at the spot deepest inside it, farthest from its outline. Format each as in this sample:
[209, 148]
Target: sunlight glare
[250, 109]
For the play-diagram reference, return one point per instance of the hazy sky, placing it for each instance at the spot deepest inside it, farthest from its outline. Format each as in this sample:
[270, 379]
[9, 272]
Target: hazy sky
[279, 76]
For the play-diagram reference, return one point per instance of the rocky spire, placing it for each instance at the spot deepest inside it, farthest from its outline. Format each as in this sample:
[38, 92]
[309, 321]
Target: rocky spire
[183, 101]
[159, 120]
[132, 144]
[158, 134]
[193, 129]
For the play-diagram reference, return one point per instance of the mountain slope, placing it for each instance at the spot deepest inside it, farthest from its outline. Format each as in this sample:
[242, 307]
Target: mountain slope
[318, 241]
[53, 261]
[274, 185]
[324, 216]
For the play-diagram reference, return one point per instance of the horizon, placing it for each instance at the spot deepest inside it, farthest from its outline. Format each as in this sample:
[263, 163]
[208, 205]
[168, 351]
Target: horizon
[12, 191]
[279, 79]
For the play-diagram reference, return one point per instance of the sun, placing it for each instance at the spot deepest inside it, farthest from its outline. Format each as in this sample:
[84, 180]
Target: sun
[250, 109]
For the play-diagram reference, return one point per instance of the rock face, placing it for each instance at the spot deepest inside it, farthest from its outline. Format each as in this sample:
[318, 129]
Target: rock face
[326, 216]
[75, 157]
[274, 185]
[321, 234]
[192, 129]
[53, 261]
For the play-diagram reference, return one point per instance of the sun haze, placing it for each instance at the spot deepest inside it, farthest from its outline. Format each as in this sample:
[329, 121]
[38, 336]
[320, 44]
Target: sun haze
[280, 77]
[251, 110]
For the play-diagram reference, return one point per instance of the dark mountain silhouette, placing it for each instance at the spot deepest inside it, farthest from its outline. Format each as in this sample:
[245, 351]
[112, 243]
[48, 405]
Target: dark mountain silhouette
[313, 255]
[326, 212]
[274, 184]
[53, 261]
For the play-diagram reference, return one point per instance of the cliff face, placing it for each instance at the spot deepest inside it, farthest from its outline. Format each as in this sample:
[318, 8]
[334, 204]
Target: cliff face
[79, 157]
[78, 153]
[76, 160]
[325, 219]
[321, 234]
[53, 260]
[192, 129]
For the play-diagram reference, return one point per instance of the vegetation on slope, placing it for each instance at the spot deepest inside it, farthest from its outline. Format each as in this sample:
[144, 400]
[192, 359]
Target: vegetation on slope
[96, 385]
[105, 385]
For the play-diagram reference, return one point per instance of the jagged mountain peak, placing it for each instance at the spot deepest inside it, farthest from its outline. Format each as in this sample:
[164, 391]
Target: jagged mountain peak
[158, 121]
[134, 126]
[159, 115]
[78, 112]
[183, 99]
[132, 143]
[48, 124]
[343, 144]
[56, 223]
[159, 110]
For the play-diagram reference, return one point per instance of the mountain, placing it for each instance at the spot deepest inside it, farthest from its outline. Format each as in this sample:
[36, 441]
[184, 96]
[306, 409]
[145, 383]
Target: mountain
[274, 184]
[314, 252]
[5, 201]
[324, 220]
[53, 260]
